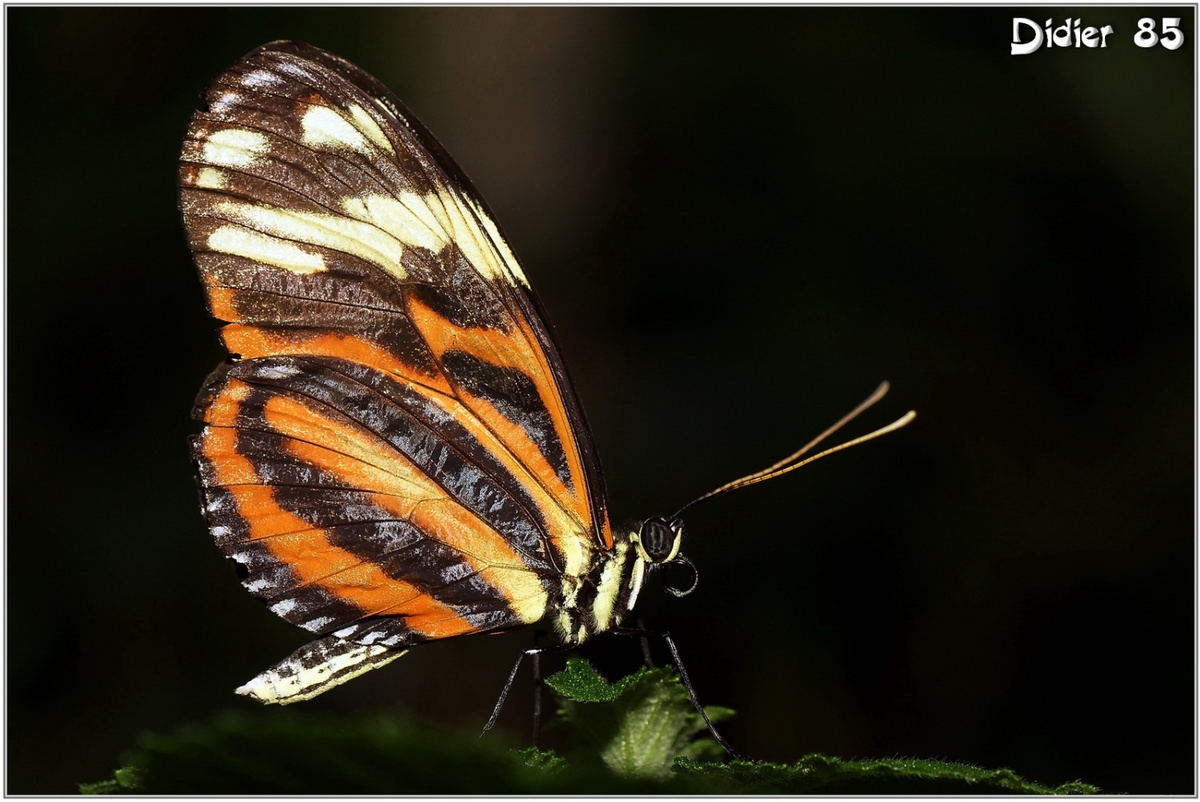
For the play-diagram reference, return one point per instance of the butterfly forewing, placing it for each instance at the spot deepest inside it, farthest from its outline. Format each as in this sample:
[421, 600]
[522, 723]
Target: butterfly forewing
[396, 453]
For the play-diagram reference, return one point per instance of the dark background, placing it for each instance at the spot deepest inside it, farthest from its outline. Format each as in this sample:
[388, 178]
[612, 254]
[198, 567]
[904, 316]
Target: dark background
[740, 222]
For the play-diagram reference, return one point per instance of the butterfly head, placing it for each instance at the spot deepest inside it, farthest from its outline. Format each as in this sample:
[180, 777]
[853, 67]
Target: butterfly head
[655, 544]
[657, 540]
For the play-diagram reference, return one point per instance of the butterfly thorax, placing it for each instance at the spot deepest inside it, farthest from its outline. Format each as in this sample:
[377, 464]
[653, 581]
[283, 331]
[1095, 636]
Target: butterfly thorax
[599, 599]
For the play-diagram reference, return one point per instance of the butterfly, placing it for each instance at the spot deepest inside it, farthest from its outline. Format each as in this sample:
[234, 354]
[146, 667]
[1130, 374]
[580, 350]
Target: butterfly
[394, 452]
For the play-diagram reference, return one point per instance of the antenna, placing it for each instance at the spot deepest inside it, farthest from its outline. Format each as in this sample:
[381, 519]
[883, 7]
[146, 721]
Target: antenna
[790, 463]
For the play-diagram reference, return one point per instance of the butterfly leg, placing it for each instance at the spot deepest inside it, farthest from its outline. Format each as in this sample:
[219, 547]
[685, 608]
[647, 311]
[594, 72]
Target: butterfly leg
[538, 685]
[644, 640]
[537, 696]
[534, 653]
[687, 683]
[512, 675]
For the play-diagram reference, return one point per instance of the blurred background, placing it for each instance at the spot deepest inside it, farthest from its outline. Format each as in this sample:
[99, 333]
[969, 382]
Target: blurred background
[740, 221]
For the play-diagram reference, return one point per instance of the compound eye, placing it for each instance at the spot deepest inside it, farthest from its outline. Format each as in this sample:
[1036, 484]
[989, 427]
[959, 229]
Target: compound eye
[659, 539]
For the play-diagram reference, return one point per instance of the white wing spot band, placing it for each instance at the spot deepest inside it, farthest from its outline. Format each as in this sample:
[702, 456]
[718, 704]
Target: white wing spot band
[235, 147]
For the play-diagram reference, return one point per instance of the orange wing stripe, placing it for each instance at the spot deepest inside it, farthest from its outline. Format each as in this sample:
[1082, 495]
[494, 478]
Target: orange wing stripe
[506, 351]
[365, 462]
[252, 341]
[306, 550]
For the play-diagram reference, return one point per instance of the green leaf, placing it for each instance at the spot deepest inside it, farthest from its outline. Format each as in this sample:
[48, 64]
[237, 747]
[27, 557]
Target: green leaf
[580, 682]
[546, 761]
[638, 725]
[288, 752]
[820, 774]
[640, 735]
[124, 781]
[644, 725]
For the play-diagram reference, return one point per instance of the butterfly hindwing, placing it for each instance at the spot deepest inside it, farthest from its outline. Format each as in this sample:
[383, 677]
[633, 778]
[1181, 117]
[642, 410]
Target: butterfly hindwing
[396, 453]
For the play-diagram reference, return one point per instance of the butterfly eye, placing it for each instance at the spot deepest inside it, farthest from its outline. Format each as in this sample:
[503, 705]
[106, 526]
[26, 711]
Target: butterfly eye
[660, 540]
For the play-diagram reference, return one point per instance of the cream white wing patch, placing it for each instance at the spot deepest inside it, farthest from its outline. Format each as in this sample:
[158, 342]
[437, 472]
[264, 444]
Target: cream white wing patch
[375, 228]
[263, 247]
[210, 178]
[323, 127]
[235, 147]
[461, 219]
